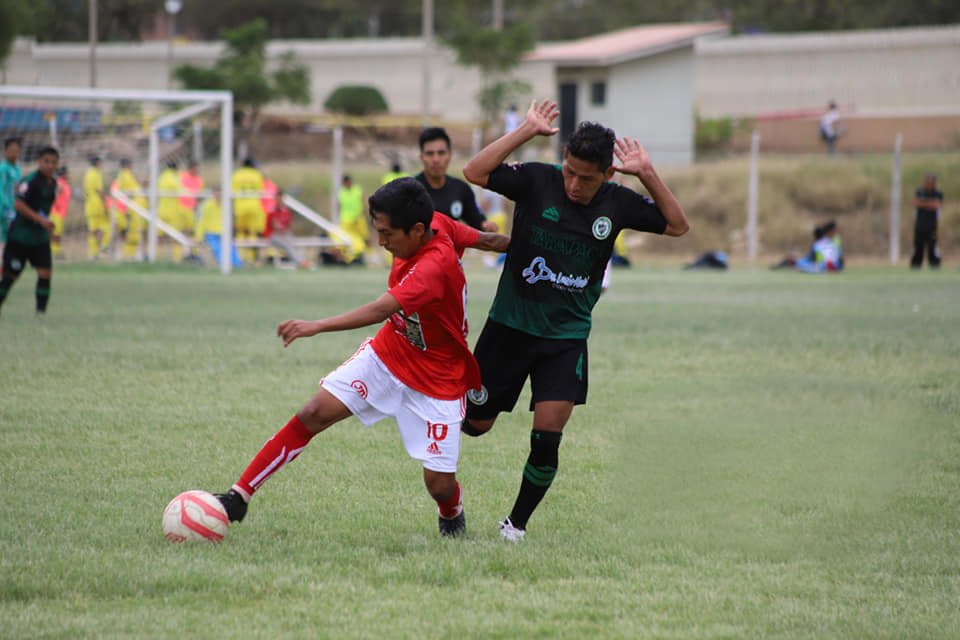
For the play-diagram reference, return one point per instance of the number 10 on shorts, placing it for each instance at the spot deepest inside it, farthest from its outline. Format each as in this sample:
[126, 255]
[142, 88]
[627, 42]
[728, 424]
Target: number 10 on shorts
[437, 431]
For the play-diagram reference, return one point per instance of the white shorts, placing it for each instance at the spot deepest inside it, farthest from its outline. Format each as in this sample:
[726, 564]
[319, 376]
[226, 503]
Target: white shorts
[430, 428]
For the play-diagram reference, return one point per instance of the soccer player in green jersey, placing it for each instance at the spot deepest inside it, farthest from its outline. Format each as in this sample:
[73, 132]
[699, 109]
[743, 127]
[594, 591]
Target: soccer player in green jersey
[9, 178]
[28, 238]
[566, 222]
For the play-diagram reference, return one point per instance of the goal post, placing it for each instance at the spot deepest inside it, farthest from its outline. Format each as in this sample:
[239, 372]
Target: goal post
[62, 111]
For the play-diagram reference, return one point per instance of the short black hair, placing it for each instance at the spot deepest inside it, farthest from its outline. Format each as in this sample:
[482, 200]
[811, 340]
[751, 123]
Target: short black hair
[405, 201]
[171, 164]
[434, 133]
[48, 151]
[249, 162]
[592, 142]
[12, 140]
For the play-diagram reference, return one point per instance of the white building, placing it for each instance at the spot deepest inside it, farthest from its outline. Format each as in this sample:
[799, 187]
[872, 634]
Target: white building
[639, 82]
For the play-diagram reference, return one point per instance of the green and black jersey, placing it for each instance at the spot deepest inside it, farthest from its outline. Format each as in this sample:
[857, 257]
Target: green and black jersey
[38, 192]
[559, 248]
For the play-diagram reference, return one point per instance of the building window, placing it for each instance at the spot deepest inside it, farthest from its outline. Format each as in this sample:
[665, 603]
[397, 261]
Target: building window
[598, 94]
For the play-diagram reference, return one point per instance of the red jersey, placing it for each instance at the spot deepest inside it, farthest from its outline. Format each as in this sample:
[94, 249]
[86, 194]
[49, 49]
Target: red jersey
[425, 344]
[463, 236]
[280, 219]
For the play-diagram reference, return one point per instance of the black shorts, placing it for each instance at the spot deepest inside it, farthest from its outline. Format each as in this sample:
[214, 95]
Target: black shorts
[17, 255]
[557, 370]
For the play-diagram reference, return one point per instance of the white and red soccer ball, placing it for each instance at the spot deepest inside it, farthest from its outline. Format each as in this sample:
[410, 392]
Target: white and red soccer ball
[195, 516]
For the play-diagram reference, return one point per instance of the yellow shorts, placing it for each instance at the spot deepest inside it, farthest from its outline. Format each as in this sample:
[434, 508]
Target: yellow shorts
[58, 222]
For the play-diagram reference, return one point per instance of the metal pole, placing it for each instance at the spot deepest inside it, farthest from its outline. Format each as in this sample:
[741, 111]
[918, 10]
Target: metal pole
[171, 26]
[498, 15]
[753, 197]
[92, 26]
[154, 178]
[427, 31]
[226, 192]
[336, 174]
[895, 202]
[198, 141]
[54, 142]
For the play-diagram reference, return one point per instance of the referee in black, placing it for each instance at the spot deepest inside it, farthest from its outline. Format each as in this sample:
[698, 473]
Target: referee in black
[928, 201]
[28, 237]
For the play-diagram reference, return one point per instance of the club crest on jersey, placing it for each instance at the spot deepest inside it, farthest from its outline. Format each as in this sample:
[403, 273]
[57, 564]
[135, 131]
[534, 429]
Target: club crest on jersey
[602, 227]
[478, 396]
[456, 209]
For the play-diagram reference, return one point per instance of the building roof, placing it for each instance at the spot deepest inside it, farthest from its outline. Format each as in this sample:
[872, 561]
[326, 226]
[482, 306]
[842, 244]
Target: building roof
[616, 47]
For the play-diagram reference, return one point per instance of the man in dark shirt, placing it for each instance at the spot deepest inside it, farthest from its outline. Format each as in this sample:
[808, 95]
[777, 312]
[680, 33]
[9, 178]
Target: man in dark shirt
[28, 238]
[928, 201]
[565, 224]
[451, 196]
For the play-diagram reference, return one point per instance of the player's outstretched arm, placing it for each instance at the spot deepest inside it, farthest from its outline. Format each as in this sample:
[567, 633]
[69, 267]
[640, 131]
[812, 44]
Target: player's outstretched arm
[634, 161]
[539, 122]
[496, 242]
[370, 313]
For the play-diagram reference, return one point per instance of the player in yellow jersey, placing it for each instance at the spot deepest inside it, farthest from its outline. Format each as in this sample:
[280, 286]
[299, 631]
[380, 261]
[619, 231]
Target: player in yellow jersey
[133, 223]
[98, 224]
[209, 229]
[394, 173]
[352, 220]
[248, 214]
[168, 202]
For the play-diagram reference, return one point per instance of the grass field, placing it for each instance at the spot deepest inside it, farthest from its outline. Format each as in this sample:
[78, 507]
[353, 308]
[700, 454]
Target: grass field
[764, 454]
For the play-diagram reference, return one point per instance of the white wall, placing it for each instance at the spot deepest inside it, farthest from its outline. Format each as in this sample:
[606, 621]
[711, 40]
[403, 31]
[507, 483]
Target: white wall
[883, 72]
[393, 65]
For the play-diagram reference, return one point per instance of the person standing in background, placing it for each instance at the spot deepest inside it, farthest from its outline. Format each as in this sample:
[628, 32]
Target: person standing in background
[9, 178]
[928, 201]
[61, 206]
[98, 223]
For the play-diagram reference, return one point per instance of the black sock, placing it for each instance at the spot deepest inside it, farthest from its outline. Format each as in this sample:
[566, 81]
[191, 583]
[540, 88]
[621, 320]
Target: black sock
[538, 474]
[43, 294]
[5, 285]
[467, 428]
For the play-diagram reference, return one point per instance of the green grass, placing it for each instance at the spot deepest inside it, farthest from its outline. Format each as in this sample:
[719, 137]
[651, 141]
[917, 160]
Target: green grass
[764, 454]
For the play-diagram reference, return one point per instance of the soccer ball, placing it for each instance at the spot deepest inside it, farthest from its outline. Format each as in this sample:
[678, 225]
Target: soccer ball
[195, 516]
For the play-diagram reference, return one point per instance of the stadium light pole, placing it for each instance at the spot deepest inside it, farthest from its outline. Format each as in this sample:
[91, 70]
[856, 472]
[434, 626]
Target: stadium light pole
[173, 8]
[92, 27]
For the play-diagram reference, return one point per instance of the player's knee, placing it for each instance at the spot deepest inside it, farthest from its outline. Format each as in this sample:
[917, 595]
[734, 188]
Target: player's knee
[474, 427]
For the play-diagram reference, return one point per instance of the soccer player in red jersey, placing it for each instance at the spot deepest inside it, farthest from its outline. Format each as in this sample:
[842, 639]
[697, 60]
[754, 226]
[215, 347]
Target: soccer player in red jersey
[416, 369]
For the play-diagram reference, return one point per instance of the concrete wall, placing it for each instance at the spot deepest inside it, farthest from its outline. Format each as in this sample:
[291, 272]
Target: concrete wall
[393, 65]
[868, 73]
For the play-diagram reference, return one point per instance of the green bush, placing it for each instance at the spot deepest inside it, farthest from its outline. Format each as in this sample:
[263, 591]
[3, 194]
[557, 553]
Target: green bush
[713, 134]
[356, 100]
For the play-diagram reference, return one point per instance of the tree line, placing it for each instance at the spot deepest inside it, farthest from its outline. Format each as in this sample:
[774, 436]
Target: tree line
[125, 20]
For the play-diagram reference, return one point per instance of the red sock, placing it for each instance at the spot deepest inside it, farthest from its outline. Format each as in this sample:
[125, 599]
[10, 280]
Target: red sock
[452, 506]
[283, 447]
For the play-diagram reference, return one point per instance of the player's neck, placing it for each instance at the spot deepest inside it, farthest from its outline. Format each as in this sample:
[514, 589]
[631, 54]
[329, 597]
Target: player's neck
[436, 183]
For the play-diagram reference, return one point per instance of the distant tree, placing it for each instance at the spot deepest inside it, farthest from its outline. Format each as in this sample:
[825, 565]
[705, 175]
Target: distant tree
[242, 70]
[494, 53]
[12, 17]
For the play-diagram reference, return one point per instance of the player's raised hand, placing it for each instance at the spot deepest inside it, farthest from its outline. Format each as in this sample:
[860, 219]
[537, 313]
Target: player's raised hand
[632, 157]
[540, 117]
[290, 330]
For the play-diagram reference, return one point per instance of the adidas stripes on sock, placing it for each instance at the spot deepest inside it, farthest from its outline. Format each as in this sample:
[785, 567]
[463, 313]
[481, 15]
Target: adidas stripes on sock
[538, 475]
[279, 450]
